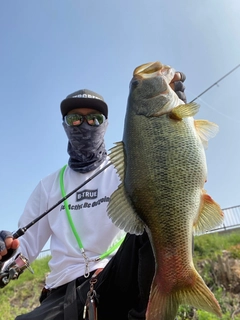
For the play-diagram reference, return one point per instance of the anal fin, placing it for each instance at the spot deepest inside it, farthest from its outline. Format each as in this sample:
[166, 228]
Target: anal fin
[210, 215]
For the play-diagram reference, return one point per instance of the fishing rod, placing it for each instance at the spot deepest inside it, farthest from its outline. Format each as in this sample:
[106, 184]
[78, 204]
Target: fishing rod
[16, 267]
[21, 231]
[227, 74]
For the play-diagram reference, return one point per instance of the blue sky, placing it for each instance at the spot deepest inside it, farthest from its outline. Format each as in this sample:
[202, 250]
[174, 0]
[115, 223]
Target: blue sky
[50, 48]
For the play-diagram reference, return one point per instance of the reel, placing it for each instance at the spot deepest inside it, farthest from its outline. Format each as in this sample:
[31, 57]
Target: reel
[13, 270]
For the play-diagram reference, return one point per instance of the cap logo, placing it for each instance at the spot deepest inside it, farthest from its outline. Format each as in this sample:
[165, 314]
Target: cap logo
[85, 95]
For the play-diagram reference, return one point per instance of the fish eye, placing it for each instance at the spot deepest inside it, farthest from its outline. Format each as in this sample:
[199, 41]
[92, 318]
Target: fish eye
[133, 84]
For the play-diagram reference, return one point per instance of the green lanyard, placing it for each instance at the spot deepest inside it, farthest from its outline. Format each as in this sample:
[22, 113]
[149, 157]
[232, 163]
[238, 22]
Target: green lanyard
[70, 220]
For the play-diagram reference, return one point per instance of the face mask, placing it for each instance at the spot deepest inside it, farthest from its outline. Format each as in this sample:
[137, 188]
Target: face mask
[86, 146]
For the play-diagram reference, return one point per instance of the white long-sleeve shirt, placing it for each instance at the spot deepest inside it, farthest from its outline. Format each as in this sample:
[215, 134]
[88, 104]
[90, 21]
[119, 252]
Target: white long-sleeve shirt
[88, 208]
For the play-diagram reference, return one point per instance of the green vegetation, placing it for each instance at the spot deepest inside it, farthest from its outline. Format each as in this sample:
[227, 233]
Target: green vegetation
[213, 254]
[208, 246]
[210, 252]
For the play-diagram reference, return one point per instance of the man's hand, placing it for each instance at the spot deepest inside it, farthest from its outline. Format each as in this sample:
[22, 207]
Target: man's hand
[8, 245]
[177, 85]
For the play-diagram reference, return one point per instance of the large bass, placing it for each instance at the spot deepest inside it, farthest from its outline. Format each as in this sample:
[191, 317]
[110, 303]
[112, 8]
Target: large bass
[162, 166]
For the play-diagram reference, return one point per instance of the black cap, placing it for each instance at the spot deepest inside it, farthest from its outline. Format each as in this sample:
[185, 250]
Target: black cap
[84, 99]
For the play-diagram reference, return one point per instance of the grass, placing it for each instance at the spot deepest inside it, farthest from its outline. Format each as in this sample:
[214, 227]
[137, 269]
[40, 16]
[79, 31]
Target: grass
[21, 296]
[207, 249]
[208, 246]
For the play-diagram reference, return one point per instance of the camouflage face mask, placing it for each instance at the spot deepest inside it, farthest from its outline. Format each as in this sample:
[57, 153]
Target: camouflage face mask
[86, 146]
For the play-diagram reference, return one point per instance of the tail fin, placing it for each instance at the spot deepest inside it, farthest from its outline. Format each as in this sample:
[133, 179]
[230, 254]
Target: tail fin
[165, 306]
[160, 306]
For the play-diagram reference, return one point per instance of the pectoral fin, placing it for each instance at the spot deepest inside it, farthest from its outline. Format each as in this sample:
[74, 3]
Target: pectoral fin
[184, 110]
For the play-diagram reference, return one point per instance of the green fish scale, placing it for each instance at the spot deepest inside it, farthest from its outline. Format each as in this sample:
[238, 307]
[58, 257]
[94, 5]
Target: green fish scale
[164, 179]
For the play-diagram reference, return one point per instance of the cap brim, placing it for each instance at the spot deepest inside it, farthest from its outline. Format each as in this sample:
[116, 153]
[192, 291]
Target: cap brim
[75, 103]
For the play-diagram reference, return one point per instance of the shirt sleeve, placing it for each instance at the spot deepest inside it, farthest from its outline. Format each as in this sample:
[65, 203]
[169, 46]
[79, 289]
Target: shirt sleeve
[34, 239]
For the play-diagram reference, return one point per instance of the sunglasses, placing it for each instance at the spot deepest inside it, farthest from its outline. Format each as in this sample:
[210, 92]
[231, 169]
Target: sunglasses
[76, 119]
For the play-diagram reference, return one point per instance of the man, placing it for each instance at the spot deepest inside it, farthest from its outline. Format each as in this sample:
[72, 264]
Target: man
[92, 261]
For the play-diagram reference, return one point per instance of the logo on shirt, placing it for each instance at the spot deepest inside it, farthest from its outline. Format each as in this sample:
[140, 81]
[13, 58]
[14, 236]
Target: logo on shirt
[86, 194]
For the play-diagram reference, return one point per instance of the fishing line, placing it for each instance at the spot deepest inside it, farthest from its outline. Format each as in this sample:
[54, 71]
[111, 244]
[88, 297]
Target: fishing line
[227, 74]
[219, 112]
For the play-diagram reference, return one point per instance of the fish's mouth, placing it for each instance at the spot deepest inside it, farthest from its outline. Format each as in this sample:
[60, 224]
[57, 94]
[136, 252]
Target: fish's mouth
[151, 82]
[150, 70]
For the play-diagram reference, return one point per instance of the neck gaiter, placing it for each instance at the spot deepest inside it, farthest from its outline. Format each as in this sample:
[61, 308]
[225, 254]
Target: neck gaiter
[86, 146]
